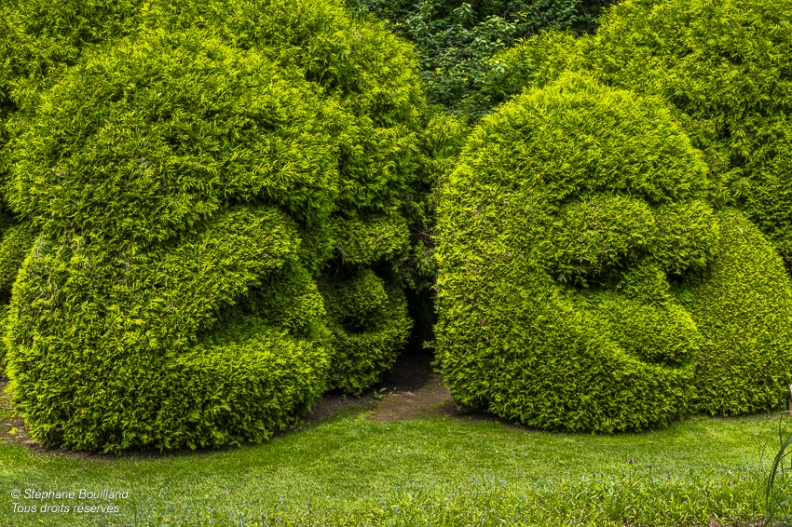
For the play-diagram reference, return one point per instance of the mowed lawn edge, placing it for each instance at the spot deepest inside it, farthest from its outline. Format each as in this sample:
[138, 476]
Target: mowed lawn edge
[354, 467]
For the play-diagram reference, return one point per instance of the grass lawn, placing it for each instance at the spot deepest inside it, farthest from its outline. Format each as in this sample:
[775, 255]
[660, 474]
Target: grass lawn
[367, 465]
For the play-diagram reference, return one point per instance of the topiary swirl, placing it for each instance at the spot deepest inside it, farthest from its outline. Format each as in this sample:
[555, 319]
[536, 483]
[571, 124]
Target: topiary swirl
[569, 238]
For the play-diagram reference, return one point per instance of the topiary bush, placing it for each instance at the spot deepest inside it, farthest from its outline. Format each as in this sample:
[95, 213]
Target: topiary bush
[186, 217]
[725, 68]
[572, 226]
[37, 40]
[386, 147]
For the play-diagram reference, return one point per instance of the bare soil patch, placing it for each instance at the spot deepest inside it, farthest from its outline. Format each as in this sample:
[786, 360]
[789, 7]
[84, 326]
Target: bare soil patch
[413, 391]
[12, 428]
[410, 390]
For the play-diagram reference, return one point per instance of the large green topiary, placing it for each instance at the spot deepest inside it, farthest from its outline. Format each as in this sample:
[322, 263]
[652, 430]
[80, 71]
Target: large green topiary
[572, 212]
[187, 215]
[143, 245]
[725, 67]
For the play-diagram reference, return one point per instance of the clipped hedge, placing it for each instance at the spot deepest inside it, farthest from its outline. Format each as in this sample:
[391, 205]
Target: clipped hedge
[37, 41]
[570, 230]
[100, 335]
[553, 309]
[185, 218]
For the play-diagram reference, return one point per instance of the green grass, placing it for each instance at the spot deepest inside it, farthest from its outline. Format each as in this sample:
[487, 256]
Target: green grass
[439, 470]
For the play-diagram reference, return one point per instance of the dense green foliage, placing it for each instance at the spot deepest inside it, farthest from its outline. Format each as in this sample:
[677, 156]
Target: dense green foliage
[38, 39]
[456, 40]
[742, 305]
[724, 67]
[191, 186]
[727, 69]
[106, 324]
[369, 324]
[572, 211]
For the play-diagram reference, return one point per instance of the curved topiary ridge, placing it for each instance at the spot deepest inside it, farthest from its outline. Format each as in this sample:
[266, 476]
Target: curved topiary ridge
[726, 67]
[369, 322]
[586, 284]
[742, 305]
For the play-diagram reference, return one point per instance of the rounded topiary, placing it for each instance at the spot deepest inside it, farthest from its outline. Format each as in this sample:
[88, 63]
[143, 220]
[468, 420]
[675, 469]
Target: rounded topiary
[167, 137]
[573, 214]
[724, 68]
[37, 40]
[171, 297]
[370, 72]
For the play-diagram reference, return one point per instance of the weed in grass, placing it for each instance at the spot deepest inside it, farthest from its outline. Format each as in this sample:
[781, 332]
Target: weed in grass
[778, 500]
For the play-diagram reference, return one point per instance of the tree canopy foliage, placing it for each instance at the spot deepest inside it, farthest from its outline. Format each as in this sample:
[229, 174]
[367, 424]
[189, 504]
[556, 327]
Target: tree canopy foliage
[456, 40]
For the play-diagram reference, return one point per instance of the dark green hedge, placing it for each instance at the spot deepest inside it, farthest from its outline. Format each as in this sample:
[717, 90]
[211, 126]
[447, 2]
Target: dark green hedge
[369, 322]
[572, 226]
[456, 40]
[190, 185]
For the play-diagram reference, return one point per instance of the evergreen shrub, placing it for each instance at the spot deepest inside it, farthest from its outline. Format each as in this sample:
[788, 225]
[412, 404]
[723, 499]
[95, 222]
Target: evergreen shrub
[387, 144]
[742, 305]
[36, 39]
[190, 191]
[574, 223]
[725, 68]
[369, 322]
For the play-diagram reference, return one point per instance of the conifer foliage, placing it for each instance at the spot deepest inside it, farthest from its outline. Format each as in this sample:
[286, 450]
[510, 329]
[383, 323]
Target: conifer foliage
[222, 202]
[724, 67]
[584, 281]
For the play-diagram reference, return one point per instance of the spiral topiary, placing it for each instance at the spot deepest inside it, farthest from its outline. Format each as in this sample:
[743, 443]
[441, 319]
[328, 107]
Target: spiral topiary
[570, 230]
[185, 218]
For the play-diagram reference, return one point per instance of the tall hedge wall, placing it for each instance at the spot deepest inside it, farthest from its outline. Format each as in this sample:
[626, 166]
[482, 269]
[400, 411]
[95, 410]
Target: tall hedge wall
[567, 235]
[191, 186]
